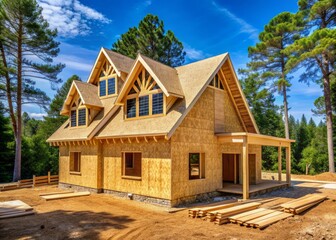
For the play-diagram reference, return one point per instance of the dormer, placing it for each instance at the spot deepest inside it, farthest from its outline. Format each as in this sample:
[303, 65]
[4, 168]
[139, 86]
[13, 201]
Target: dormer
[82, 104]
[150, 89]
[109, 73]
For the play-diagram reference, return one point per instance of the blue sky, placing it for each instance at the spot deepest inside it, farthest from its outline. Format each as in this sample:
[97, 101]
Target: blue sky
[206, 28]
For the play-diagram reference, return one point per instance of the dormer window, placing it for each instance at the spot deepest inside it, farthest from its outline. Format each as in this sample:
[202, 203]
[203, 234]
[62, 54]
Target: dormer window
[107, 81]
[145, 98]
[216, 82]
[78, 114]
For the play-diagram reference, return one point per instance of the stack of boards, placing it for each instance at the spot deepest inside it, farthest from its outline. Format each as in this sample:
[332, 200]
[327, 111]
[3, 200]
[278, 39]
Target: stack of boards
[15, 208]
[300, 205]
[250, 215]
[62, 195]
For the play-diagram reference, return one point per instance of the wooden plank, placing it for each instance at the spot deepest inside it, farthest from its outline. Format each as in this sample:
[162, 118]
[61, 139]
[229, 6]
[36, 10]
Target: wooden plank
[241, 215]
[255, 216]
[54, 193]
[269, 221]
[302, 209]
[304, 201]
[67, 195]
[17, 214]
[255, 221]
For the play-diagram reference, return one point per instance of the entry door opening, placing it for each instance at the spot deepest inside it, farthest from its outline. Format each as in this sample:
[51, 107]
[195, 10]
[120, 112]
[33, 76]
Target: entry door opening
[230, 163]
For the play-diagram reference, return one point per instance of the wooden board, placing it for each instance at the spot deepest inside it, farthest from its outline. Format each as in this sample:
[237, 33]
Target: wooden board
[55, 193]
[264, 223]
[66, 195]
[14, 208]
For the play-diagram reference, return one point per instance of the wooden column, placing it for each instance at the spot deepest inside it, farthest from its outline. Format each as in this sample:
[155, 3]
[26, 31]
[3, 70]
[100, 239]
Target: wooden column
[246, 187]
[288, 165]
[235, 168]
[279, 164]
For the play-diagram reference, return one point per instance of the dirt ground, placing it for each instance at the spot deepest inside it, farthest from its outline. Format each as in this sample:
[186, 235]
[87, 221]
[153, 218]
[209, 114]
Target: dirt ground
[101, 216]
[327, 176]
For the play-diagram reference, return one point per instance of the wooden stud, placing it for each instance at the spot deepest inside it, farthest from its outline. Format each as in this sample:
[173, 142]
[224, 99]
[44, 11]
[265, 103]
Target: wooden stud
[279, 164]
[107, 141]
[245, 170]
[137, 140]
[146, 139]
[235, 169]
[129, 140]
[121, 140]
[288, 165]
[114, 141]
[155, 139]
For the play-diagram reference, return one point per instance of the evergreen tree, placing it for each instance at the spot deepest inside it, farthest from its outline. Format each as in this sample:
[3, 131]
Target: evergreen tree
[302, 141]
[25, 37]
[268, 56]
[316, 52]
[150, 39]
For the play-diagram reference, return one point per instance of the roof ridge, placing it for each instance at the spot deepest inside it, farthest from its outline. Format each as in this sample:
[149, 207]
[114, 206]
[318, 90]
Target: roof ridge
[204, 59]
[118, 53]
[157, 61]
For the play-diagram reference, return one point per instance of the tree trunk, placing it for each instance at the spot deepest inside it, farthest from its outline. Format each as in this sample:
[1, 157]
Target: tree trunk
[328, 107]
[285, 112]
[17, 164]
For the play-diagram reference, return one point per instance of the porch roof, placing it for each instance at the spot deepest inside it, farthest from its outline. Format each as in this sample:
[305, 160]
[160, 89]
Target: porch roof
[253, 138]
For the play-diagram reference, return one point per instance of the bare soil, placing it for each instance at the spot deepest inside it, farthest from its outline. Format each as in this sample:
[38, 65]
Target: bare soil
[327, 176]
[101, 216]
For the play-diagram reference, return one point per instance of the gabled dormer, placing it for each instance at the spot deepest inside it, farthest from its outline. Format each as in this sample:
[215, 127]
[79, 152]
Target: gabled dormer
[109, 73]
[82, 104]
[150, 89]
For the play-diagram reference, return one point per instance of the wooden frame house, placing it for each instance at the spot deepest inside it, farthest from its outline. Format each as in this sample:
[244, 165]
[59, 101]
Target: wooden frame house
[160, 134]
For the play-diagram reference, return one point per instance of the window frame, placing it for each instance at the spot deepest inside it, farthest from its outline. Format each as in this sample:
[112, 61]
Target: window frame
[217, 83]
[76, 108]
[123, 165]
[201, 168]
[106, 79]
[79, 162]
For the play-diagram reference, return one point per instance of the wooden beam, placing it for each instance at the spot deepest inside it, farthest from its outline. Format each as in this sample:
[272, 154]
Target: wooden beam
[121, 140]
[146, 139]
[235, 169]
[129, 140]
[279, 164]
[246, 183]
[114, 141]
[288, 165]
[137, 140]
[155, 139]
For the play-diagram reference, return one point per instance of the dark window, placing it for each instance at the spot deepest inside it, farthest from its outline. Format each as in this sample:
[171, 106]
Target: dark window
[131, 108]
[157, 105]
[111, 86]
[132, 164]
[221, 84]
[75, 161]
[144, 106]
[82, 117]
[102, 88]
[196, 166]
[132, 91]
[73, 118]
[102, 74]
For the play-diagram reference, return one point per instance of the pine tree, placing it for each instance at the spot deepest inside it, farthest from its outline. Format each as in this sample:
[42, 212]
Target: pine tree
[27, 47]
[150, 39]
[302, 140]
[269, 58]
[316, 53]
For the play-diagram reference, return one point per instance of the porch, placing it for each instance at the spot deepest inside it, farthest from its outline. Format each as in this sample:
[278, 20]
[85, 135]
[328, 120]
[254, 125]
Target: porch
[264, 186]
[245, 139]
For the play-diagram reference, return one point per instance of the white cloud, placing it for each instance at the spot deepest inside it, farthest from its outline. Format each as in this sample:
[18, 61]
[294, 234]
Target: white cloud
[37, 115]
[148, 3]
[70, 17]
[194, 54]
[245, 27]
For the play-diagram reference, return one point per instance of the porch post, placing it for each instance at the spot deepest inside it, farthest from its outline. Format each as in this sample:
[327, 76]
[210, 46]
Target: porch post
[279, 164]
[245, 170]
[288, 165]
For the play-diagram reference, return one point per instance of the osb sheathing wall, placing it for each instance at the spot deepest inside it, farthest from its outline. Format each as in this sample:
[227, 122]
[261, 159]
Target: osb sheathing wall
[196, 135]
[88, 176]
[156, 168]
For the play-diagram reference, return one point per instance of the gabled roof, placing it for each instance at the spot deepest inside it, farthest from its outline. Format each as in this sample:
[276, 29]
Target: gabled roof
[119, 62]
[165, 76]
[86, 91]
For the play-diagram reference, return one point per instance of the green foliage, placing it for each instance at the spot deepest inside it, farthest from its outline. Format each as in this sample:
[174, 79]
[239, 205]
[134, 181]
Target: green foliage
[150, 39]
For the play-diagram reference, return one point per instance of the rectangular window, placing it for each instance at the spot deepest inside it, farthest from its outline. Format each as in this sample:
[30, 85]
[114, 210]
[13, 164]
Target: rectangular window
[144, 106]
[75, 161]
[131, 164]
[73, 118]
[157, 105]
[131, 108]
[102, 88]
[82, 117]
[111, 86]
[196, 166]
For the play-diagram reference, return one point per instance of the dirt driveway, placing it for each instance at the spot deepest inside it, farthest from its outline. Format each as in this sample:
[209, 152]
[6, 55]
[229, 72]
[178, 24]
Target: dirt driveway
[101, 216]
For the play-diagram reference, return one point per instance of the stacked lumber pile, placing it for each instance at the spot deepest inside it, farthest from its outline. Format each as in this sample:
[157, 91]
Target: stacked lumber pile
[222, 216]
[202, 211]
[15, 208]
[62, 195]
[300, 205]
[259, 218]
[9, 186]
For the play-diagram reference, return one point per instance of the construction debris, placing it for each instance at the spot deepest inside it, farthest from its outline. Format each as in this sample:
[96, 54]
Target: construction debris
[65, 195]
[15, 208]
[300, 205]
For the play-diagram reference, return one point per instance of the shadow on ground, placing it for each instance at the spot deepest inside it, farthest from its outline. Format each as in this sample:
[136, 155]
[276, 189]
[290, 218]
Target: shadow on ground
[61, 225]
